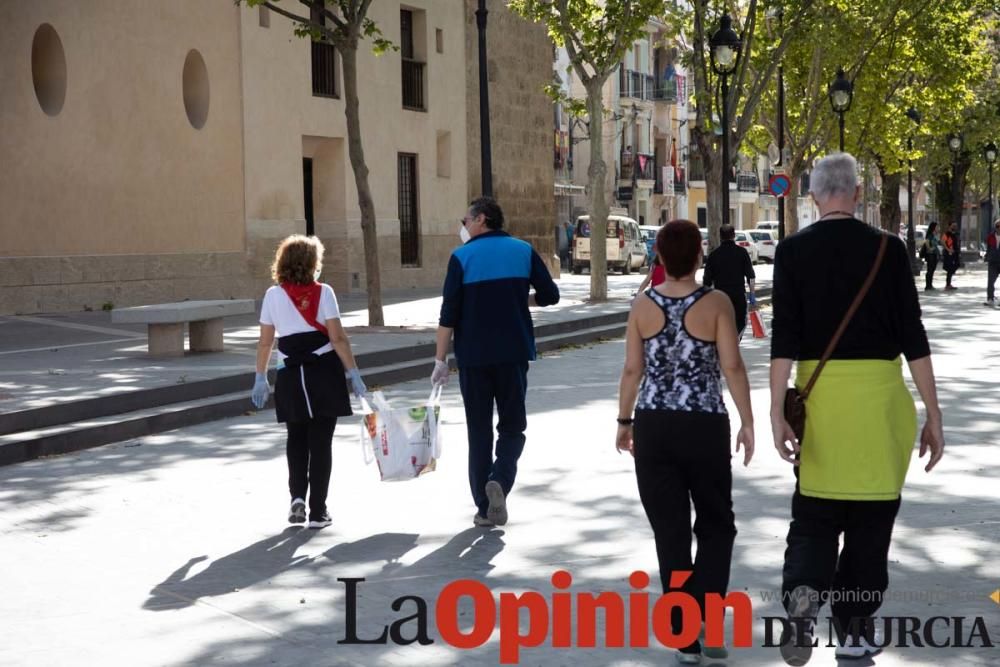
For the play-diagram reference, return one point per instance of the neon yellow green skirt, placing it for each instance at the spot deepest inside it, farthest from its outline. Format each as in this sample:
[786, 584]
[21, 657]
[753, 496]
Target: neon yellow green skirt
[861, 424]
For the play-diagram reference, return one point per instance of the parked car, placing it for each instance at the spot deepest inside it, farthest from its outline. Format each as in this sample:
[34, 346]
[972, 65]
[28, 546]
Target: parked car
[625, 243]
[744, 241]
[649, 232]
[766, 242]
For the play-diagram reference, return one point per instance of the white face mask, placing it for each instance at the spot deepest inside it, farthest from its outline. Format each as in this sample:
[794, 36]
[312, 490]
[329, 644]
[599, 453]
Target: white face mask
[316, 275]
[464, 234]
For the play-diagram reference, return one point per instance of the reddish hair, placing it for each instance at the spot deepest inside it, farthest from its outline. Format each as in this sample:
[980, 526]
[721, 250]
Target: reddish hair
[679, 244]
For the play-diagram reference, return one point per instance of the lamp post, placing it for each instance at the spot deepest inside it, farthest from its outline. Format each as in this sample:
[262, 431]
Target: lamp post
[955, 145]
[725, 52]
[485, 150]
[841, 94]
[911, 242]
[990, 153]
[777, 13]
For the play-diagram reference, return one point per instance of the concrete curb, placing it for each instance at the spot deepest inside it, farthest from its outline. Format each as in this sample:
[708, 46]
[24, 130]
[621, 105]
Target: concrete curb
[60, 429]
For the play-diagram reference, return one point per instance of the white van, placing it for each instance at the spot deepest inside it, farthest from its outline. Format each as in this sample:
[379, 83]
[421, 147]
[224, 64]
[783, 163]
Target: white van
[769, 225]
[626, 245]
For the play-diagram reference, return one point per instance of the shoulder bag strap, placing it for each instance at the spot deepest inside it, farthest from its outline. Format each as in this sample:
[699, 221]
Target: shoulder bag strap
[847, 318]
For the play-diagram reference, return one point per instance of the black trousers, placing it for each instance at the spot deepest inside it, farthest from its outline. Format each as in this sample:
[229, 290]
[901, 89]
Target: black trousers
[482, 386]
[932, 262]
[992, 271]
[951, 264]
[683, 458]
[857, 577]
[310, 460]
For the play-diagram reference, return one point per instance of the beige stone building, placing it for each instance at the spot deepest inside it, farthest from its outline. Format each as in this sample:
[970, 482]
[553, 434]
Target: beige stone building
[160, 156]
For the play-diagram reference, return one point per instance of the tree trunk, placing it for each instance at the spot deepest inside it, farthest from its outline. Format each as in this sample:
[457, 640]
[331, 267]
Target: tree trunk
[373, 283]
[711, 165]
[597, 177]
[888, 208]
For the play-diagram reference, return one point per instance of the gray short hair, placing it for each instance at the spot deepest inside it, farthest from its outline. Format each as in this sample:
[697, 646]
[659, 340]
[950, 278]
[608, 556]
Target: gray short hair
[833, 175]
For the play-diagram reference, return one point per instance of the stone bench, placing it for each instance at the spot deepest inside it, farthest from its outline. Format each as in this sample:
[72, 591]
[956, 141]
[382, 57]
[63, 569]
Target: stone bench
[166, 323]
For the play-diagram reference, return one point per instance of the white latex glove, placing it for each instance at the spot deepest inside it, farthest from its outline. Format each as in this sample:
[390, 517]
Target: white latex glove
[441, 373]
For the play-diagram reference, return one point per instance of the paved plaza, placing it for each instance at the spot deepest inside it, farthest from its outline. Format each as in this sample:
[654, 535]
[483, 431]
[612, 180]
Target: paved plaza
[173, 550]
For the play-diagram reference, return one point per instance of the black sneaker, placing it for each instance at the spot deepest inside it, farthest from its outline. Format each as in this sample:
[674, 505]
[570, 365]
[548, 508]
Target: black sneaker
[297, 512]
[321, 521]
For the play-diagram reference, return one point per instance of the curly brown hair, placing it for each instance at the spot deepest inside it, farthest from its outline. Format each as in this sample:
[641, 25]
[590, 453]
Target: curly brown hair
[297, 259]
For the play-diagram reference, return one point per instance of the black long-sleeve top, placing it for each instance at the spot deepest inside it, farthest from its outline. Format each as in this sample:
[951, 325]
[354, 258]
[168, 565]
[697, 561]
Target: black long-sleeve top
[728, 268]
[817, 274]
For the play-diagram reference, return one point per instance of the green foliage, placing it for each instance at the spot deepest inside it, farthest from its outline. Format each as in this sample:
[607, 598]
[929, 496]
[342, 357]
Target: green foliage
[345, 21]
[596, 33]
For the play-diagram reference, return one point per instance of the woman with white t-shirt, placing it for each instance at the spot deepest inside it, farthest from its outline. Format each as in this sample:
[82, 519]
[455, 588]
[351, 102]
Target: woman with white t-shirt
[315, 364]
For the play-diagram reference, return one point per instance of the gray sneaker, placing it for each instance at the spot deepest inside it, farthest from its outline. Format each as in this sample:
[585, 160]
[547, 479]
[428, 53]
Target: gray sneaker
[297, 512]
[497, 511]
[481, 521]
[712, 652]
[803, 607]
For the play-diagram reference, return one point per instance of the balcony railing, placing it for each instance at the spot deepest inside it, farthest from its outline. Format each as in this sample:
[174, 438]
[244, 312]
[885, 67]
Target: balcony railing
[665, 91]
[643, 164]
[747, 181]
[413, 85]
[635, 84]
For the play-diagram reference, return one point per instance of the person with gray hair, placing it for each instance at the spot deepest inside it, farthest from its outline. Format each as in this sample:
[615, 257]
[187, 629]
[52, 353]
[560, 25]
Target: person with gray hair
[860, 419]
[835, 176]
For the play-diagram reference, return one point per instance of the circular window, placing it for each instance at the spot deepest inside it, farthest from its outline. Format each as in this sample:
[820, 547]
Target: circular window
[195, 80]
[48, 69]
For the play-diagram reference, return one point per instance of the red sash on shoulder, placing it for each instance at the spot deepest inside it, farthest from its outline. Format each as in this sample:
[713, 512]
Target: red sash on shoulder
[306, 299]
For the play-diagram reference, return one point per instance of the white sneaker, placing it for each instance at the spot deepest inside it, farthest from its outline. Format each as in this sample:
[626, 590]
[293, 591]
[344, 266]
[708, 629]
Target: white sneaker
[297, 512]
[688, 658]
[861, 648]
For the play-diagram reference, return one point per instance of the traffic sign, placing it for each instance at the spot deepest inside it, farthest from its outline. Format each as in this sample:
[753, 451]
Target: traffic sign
[779, 184]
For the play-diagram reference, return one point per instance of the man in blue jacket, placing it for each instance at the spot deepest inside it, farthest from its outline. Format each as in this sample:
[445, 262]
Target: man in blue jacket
[485, 306]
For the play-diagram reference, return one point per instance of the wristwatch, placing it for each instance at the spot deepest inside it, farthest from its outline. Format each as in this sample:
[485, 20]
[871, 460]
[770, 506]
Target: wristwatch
[624, 421]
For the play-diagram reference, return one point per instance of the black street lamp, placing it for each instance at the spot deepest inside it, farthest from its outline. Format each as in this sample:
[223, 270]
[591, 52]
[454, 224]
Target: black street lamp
[990, 153]
[777, 13]
[725, 52]
[955, 146]
[841, 94]
[911, 241]
[485, 150]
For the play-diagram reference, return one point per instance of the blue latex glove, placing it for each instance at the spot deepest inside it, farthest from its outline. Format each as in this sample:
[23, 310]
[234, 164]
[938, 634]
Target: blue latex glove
[357, 384]
[260, 391]
[753, 299]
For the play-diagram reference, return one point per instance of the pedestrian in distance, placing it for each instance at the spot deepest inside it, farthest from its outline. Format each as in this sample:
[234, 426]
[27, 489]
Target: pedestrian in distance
[656, 275]
[850, 458]
[487, 292]
[315, 367]
[728, 268]
[952, 255]
[930, 252]
[992, 263]
[680, 340]
[568, 231]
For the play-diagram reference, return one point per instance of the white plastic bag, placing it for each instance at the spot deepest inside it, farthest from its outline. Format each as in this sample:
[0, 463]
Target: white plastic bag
[404, 442]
